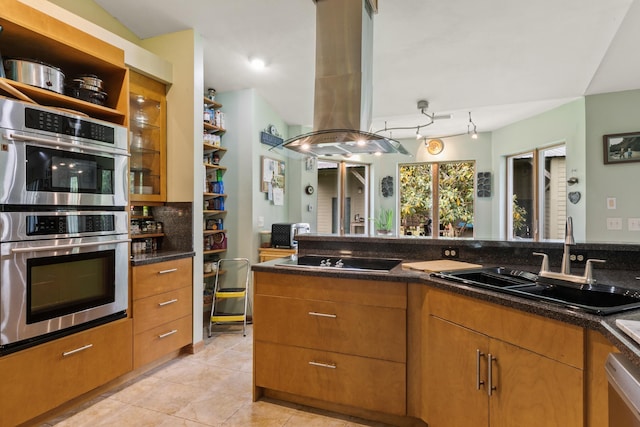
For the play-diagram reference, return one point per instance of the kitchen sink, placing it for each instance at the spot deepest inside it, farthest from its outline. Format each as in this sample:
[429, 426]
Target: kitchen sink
[490, 277]
[592, 298]
[342, 263]
[598, 299]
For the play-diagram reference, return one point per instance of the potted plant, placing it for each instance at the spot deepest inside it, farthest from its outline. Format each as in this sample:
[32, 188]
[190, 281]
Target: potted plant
[384, 221]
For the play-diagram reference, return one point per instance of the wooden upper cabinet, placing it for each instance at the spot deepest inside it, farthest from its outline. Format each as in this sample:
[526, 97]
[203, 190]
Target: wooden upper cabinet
[147, 139]
[33, 35]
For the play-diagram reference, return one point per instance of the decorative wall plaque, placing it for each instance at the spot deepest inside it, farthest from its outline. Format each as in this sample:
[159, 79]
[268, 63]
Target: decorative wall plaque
[387, 186]
[484, 184]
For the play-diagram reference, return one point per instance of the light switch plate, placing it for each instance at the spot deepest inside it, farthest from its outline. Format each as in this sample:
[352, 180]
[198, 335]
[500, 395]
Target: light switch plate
[634, 224]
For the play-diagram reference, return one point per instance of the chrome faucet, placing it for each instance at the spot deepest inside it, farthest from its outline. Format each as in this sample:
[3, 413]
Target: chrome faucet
[565, 272]
[568, 242]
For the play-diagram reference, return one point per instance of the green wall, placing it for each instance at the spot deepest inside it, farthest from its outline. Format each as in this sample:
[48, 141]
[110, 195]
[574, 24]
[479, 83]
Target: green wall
[611, 113]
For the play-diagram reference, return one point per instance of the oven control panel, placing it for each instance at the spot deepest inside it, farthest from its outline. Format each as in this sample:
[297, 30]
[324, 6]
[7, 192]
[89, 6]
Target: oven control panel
[43, 225]
[57, 123]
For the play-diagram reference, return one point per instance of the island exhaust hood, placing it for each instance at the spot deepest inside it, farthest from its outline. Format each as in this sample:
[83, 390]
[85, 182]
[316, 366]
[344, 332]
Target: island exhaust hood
[343, 84]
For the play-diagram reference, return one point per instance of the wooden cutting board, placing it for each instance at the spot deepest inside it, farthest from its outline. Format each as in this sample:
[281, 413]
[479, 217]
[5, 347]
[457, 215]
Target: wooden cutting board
[439, 265]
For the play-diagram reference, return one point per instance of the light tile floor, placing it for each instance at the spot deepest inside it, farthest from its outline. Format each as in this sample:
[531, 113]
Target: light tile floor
[210, 388]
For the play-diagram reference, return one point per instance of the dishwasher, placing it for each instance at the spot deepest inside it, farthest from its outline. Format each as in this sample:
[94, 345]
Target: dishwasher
[624, 391]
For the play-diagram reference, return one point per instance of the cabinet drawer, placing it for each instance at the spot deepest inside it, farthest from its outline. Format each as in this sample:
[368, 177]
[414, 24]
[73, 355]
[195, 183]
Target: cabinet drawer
[161, 340]
[355, 381]
[41, 378]
[378, 332]
[152, 279]
[364, 292]
[158, 309]
[551, 338]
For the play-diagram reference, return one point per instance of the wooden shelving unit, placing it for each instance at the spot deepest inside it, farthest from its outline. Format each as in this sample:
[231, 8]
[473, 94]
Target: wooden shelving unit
[214, 199]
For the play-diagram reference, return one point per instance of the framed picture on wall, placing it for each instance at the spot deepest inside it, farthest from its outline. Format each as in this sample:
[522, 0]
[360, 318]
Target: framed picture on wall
[621, 147]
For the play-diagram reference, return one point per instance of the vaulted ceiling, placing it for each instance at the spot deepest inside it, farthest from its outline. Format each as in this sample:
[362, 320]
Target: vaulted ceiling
[501, 60]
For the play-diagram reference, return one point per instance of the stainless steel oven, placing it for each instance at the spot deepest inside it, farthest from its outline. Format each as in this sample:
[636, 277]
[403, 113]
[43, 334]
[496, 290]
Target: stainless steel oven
[50, 158]
[60, 271]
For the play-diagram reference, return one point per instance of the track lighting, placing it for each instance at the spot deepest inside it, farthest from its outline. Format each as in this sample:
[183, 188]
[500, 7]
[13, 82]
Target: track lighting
[423, 105]
[474, 133]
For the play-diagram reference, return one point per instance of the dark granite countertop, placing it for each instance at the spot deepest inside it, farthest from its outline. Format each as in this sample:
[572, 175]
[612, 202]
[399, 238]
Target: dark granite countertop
[159, 256]
[603, 324]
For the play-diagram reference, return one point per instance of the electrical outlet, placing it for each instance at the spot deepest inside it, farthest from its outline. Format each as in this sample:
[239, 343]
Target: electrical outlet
[448, 253]
[578, 257]
[614, 223]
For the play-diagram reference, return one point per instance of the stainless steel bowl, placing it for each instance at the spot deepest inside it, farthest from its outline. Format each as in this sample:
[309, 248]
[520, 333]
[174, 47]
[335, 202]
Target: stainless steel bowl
[35, 73]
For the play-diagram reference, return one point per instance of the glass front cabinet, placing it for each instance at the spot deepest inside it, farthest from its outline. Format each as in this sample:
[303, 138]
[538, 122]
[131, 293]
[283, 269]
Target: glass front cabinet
[147, 139]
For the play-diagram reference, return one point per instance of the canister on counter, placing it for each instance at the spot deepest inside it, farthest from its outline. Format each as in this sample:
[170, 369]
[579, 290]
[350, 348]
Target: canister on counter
[265, 239]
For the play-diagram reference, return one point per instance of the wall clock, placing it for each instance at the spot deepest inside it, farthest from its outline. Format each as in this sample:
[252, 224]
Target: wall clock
[435, 146]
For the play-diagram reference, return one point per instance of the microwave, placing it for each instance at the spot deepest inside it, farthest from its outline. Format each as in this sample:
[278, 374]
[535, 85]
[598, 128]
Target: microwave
[284, 235]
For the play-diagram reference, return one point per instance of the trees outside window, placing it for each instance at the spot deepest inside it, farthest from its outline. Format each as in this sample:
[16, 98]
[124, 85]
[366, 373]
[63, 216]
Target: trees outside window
[445, 188]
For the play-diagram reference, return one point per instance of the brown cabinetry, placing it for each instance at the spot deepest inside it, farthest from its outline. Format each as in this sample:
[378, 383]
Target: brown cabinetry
[339, 341]
[267, 254]
[147, 139]
[481, 369]
[41, 378]
[162, 309]
[29, 33]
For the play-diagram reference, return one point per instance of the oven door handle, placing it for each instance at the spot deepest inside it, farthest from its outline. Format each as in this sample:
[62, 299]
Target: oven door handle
[74, 245]
[55, 143]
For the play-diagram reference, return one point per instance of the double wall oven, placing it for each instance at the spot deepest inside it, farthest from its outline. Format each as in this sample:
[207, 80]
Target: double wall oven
[63, 223]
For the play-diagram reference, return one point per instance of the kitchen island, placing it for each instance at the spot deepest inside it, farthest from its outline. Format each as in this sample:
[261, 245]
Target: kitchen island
[547, 360]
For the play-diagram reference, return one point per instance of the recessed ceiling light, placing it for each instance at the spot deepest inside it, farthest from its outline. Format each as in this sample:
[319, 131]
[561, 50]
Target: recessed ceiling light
[257, 63]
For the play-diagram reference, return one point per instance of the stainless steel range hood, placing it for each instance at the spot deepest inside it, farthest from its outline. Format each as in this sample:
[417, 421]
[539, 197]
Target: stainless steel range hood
[343, 83]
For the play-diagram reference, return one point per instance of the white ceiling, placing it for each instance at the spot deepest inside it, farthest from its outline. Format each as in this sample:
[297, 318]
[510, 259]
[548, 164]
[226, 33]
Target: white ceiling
[502, 60]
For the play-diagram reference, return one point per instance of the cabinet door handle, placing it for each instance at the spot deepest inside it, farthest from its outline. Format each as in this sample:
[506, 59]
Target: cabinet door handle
[323, 365]
[171, 270]
[77, 350]
[479, 382]
[315, 313]
[490, 386]
[171, 301]
[166, 334]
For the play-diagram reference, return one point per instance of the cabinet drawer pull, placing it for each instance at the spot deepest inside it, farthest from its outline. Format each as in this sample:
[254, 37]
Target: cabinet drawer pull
[323, 365]
[166, 334]
[171, 270]
[171, 301]
[490, 386]
[479, 382]
[315, 313]
[77, 350]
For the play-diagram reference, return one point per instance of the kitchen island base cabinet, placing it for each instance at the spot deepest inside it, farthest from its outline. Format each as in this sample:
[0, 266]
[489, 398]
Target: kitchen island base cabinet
[349, 380]
[474, 377]
[39, 379]
[334, 343]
